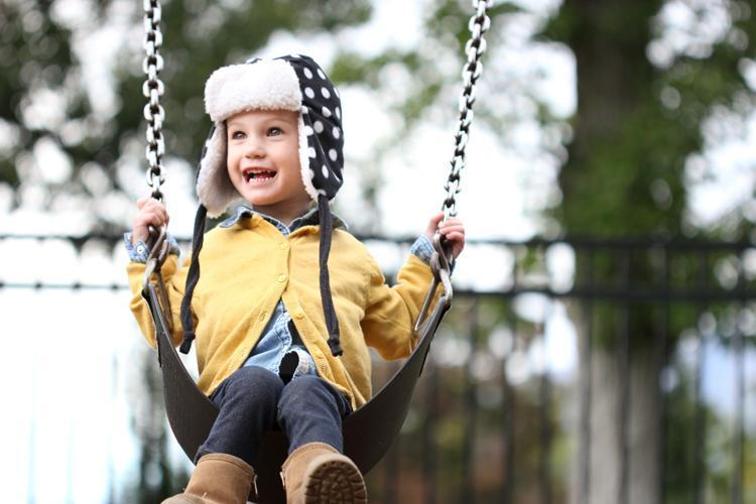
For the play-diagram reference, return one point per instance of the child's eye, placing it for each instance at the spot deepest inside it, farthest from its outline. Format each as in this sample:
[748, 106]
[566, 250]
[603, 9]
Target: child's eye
[275, 130]
[236, 135]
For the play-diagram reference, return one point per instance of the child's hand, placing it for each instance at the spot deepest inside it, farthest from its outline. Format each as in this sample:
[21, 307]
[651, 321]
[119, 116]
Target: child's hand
[151, 213]
[453, 230]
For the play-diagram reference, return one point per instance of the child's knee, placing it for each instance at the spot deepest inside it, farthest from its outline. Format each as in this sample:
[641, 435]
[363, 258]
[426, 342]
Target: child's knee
[255, 381]
[303, 390]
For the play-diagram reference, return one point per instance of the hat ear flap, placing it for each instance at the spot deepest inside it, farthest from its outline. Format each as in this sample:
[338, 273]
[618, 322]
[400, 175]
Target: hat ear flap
[214, 187]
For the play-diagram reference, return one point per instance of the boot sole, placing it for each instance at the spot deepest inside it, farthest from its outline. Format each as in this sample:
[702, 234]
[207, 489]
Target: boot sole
[335, 482]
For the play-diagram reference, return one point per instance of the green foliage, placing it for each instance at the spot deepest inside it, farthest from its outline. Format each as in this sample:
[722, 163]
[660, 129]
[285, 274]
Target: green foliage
[192, 54]
[445, 33]
[35, 53]
[199, 36]
[625, 171]
[625, 174]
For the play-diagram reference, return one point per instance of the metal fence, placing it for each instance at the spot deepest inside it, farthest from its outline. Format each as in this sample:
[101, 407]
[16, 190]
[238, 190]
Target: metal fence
[678, 313]
[571, 370]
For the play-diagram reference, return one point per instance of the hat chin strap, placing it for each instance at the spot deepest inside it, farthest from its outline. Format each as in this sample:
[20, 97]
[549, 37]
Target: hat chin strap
[332, 322]
[191, 279]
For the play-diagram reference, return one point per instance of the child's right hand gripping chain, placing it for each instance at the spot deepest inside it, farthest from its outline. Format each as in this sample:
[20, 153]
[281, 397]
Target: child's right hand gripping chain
[453, 230]
[152, 213]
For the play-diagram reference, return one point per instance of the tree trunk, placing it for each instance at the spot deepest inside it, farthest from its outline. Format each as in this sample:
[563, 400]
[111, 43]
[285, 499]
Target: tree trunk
[603, 438]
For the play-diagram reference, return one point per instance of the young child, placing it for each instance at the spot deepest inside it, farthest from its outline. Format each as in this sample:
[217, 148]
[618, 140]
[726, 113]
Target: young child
[288, 301]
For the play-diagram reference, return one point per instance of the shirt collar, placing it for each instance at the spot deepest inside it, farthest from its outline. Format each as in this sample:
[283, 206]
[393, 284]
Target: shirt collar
[310, 217]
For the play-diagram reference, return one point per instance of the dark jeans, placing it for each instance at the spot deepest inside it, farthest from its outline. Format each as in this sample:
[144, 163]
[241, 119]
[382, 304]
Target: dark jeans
[254, 400]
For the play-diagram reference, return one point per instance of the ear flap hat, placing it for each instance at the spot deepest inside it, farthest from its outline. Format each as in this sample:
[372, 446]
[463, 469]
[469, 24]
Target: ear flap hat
[292, 82]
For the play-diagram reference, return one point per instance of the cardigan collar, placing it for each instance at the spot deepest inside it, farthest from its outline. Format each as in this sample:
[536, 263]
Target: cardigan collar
[309, 218]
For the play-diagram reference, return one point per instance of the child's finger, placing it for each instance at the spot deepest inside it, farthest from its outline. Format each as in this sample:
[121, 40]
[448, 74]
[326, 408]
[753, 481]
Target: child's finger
[435, 220]
[453, 221]
[149, 202]
[457, 242]
[447, 230]
[433, 224]
[451, 225]
[153, 218]
[162, 212]
[454, 234]
[456, 239]
[156, 208]
[147, 219]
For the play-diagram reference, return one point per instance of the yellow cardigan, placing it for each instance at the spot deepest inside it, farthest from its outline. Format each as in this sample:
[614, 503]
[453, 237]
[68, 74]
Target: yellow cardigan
[247, 268]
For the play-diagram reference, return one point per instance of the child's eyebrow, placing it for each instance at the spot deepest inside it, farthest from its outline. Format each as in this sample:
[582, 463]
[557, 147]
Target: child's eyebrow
[282, 118]
[267, 121]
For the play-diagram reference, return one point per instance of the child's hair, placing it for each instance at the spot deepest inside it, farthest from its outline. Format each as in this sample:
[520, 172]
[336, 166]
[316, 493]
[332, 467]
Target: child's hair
[292, 82]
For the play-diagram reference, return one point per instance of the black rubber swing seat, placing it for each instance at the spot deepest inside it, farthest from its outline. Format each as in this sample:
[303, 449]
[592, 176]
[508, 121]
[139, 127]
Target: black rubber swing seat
[368, 432]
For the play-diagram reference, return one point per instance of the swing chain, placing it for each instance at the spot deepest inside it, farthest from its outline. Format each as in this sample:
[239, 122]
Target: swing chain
[475, 48]
[153, 89]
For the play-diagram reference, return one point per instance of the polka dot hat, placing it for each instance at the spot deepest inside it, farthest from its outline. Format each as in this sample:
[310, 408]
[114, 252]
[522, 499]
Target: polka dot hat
[291, 82]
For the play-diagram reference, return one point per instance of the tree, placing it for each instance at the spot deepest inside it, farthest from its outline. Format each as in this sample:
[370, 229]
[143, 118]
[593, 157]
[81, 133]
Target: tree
[640, 106]
[638, 121]
[49, 103]
[37, 59]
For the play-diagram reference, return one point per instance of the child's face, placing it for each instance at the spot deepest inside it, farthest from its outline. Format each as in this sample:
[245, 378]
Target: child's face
[263, 162]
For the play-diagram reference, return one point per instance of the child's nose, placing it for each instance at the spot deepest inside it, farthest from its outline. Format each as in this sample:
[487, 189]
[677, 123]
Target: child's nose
[254, 150]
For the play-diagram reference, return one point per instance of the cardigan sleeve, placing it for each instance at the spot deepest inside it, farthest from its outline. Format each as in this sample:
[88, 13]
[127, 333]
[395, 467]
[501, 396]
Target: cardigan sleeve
[391, 311]
[174, 277]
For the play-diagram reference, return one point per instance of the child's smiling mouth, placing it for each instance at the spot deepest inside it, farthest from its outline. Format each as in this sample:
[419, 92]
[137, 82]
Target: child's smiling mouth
[258, 175]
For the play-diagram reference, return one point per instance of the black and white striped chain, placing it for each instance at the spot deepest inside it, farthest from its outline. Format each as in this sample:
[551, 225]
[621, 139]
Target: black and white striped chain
[153, 89]
[475, 48]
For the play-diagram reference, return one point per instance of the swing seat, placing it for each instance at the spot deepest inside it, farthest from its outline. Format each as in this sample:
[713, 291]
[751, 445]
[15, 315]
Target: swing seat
[368, 432]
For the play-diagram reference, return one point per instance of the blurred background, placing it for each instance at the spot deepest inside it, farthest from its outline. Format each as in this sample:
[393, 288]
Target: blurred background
[602, 344]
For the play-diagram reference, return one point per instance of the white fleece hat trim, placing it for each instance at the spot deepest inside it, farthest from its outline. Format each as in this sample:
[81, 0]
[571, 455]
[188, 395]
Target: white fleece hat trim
[304, 158]
[266, 85]
[214, 187]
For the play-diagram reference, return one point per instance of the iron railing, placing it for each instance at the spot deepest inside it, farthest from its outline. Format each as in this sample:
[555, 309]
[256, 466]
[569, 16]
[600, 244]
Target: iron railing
[493, 422]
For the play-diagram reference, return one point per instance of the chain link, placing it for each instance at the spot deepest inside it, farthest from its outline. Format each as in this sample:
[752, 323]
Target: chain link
[474, 49]
[153, 89]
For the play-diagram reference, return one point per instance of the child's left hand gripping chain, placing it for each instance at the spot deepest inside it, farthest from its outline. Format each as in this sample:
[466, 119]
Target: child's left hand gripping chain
[453, 230]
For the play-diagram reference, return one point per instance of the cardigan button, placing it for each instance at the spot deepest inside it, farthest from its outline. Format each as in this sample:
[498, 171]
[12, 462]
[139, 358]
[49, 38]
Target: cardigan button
[299, 314]
[282, 278]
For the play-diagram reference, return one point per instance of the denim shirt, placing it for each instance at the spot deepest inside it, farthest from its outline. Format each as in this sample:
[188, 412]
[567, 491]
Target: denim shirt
[278, 338]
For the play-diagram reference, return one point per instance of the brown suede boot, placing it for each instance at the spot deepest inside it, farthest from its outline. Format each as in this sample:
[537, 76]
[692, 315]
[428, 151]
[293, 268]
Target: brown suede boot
[217, 479]
[316, 473]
